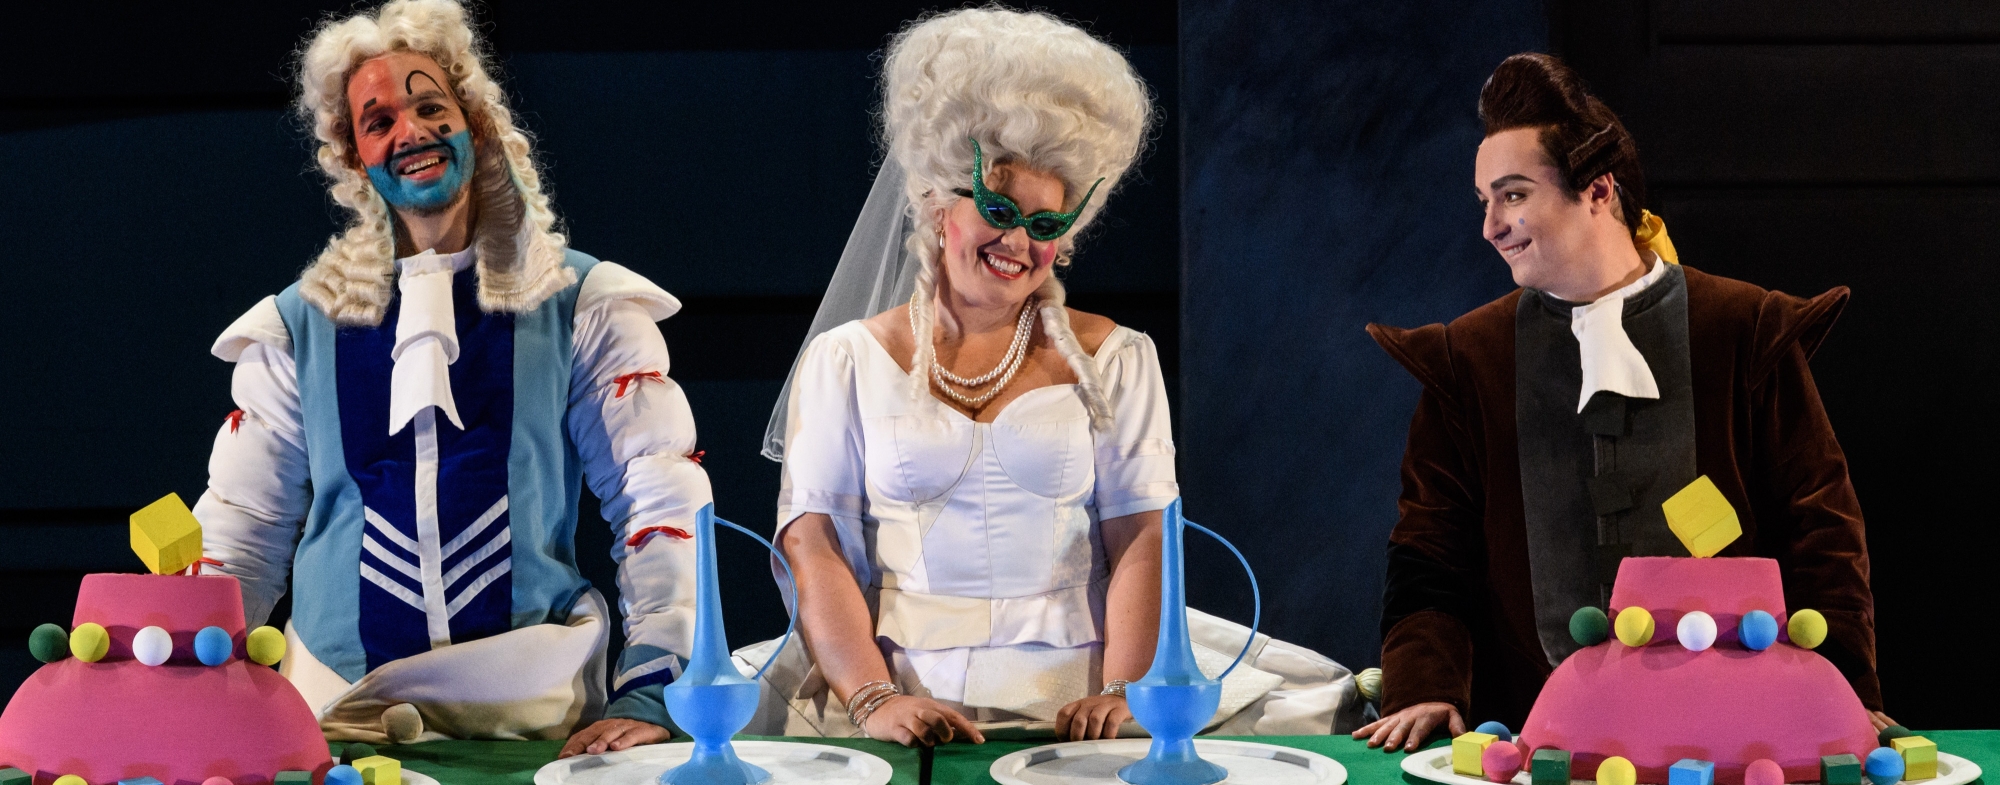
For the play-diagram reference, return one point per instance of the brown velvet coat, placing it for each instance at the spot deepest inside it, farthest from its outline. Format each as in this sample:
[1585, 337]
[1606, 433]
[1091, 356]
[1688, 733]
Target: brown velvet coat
[1761, 434]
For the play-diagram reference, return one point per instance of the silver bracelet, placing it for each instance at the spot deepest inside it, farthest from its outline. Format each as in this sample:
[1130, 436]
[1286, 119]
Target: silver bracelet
[861, 695]
[866, 700]
[861, 718]
[1116, 687]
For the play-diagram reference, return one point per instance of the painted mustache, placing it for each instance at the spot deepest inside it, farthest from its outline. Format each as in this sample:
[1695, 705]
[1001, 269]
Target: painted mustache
[421, 158]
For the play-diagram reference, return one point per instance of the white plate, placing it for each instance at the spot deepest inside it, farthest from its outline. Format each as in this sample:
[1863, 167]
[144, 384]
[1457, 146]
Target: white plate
[1098, 762]
[1435, 765]
[418, 778]
[788, 761]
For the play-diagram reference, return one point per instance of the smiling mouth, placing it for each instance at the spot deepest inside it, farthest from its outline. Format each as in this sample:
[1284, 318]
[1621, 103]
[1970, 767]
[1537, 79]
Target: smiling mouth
[420, 163]
[1003, 267]
[1514, 250]
[416, 162]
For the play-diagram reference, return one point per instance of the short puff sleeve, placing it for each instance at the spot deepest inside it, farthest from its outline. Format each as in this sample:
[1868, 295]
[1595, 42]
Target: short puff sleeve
[1135, 457]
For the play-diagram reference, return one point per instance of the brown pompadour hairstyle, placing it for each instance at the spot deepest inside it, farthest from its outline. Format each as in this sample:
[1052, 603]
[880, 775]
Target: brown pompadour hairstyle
[1581, 136]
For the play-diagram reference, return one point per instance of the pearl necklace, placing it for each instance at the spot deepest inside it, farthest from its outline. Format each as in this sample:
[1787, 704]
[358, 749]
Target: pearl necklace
[1017, 351]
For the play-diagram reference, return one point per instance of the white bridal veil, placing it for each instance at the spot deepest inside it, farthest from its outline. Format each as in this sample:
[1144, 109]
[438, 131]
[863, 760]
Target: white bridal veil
[876, 273]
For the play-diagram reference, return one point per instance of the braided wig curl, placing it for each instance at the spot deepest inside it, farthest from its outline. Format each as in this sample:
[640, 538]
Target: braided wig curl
[520, 251]
[1034, 91]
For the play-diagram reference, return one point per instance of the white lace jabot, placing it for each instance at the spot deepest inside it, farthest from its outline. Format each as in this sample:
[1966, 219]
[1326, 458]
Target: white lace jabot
[1610, 362]
[426, 338]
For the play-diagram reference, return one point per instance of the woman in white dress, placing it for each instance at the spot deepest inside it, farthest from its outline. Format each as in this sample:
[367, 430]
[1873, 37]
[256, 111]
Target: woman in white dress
[974, 478]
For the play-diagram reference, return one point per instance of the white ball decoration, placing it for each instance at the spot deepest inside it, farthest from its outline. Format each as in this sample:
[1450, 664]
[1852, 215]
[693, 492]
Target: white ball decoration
[152, 646]
[1696, 631]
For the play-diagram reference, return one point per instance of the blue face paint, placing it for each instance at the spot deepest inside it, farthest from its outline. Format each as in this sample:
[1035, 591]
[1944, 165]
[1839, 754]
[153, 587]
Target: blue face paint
[407, 195]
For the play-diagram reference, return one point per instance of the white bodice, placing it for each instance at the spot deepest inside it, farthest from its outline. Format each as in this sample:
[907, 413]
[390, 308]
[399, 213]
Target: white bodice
[975, 534]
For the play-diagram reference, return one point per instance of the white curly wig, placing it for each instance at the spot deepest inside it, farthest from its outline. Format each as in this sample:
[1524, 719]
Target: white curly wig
[1034, 91]
[520, 253]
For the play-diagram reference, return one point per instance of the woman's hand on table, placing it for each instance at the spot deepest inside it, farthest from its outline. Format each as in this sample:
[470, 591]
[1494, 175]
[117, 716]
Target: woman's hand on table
[613, 735]
[1410, 727]
[1095, 717]
[1881, 720]
[918, 722]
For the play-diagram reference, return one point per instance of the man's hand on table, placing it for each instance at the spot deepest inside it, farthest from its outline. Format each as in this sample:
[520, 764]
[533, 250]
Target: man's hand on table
[613, 735]
[1410, 727]
[1095, 717]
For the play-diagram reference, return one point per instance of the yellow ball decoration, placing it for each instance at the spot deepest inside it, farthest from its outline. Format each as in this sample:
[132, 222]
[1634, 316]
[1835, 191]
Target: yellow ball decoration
[89, 642]
[70, 779]
[1635, 627]
[1616, 771]
[1807, 629]
[266, 646]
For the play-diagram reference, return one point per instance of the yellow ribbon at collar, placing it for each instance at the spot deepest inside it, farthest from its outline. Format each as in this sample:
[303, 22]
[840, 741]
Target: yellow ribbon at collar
[1652, 236]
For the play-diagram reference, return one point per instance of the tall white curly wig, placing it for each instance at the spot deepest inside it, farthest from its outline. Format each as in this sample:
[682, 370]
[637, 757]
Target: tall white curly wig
[520, 253]
[1034, 91]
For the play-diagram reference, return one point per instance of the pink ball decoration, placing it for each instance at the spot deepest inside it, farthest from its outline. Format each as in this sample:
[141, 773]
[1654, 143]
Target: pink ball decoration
[217, 781]
[1763, 771]
[1501, 761]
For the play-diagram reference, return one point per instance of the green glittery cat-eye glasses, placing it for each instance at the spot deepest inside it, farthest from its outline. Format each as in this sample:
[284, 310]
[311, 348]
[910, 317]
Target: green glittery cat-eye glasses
[1002, 213]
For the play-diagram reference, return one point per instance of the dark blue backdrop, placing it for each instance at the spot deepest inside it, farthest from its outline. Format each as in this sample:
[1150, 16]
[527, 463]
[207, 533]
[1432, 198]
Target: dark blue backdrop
[1327, 183]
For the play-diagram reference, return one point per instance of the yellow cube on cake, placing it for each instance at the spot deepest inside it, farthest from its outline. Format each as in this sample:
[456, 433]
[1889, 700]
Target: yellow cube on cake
[1919, 757]
[166, 536]
[1702, 518]
[379, 770]
[1465, 752]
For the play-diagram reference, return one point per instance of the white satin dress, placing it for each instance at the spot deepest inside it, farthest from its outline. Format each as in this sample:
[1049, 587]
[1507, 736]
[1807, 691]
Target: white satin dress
[977, 545]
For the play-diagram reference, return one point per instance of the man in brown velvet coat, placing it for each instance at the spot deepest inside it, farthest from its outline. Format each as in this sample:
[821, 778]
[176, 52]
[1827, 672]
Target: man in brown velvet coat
[1555, 420]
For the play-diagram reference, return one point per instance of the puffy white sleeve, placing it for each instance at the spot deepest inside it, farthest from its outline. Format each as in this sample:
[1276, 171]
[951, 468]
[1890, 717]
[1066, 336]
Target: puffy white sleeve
[1135, 458]
[824, 470]
[635, 434]
[259, 481]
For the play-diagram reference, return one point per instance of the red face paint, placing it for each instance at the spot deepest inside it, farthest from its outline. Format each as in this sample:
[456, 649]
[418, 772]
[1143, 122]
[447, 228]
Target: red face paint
[400, 103]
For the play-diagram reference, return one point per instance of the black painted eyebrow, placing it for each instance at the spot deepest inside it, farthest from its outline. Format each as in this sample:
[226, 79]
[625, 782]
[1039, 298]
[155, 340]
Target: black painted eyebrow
[371, 102]
[1512, 178]
[407, 80]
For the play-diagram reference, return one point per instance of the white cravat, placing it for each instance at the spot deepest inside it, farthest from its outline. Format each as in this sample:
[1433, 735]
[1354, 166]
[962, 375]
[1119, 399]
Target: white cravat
[1610, 362]
[426, 338]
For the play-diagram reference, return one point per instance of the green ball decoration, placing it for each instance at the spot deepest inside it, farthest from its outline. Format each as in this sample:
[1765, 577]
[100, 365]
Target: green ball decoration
[1589, 626]
[49, 643]
[356, 751]
[1891, 733]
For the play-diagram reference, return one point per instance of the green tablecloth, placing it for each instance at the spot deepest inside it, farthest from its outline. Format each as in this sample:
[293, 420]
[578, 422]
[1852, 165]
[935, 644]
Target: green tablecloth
[500, 762]
[967, 764]
[482, 762]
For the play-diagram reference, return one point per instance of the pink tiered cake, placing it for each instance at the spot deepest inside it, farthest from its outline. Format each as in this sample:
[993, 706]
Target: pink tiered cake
[1657, 704]
[178, 722]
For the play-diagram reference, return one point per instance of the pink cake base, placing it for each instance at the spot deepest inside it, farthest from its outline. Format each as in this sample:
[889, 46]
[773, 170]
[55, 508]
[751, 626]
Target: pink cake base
[178, 722]
[1657, 704]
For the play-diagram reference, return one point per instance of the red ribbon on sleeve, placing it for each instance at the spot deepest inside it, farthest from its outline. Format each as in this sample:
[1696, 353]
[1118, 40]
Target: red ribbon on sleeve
[235, 420]
[640, 536]
[633, 379]
[195, 568]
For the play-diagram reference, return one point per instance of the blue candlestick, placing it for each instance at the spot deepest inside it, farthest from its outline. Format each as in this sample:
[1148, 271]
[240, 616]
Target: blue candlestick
[1174, 700]
[711, 700]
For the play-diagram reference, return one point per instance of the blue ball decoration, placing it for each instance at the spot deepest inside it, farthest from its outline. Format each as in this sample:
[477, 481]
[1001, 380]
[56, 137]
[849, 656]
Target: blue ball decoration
[212, 646]
[344, 774]
[1496, 729]
[1757, 631]
[1884, 766]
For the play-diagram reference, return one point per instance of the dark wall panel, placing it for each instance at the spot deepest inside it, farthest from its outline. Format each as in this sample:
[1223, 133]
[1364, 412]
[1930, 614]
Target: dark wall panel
[1328, 166]
[1819, 114]
[1822, 20]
